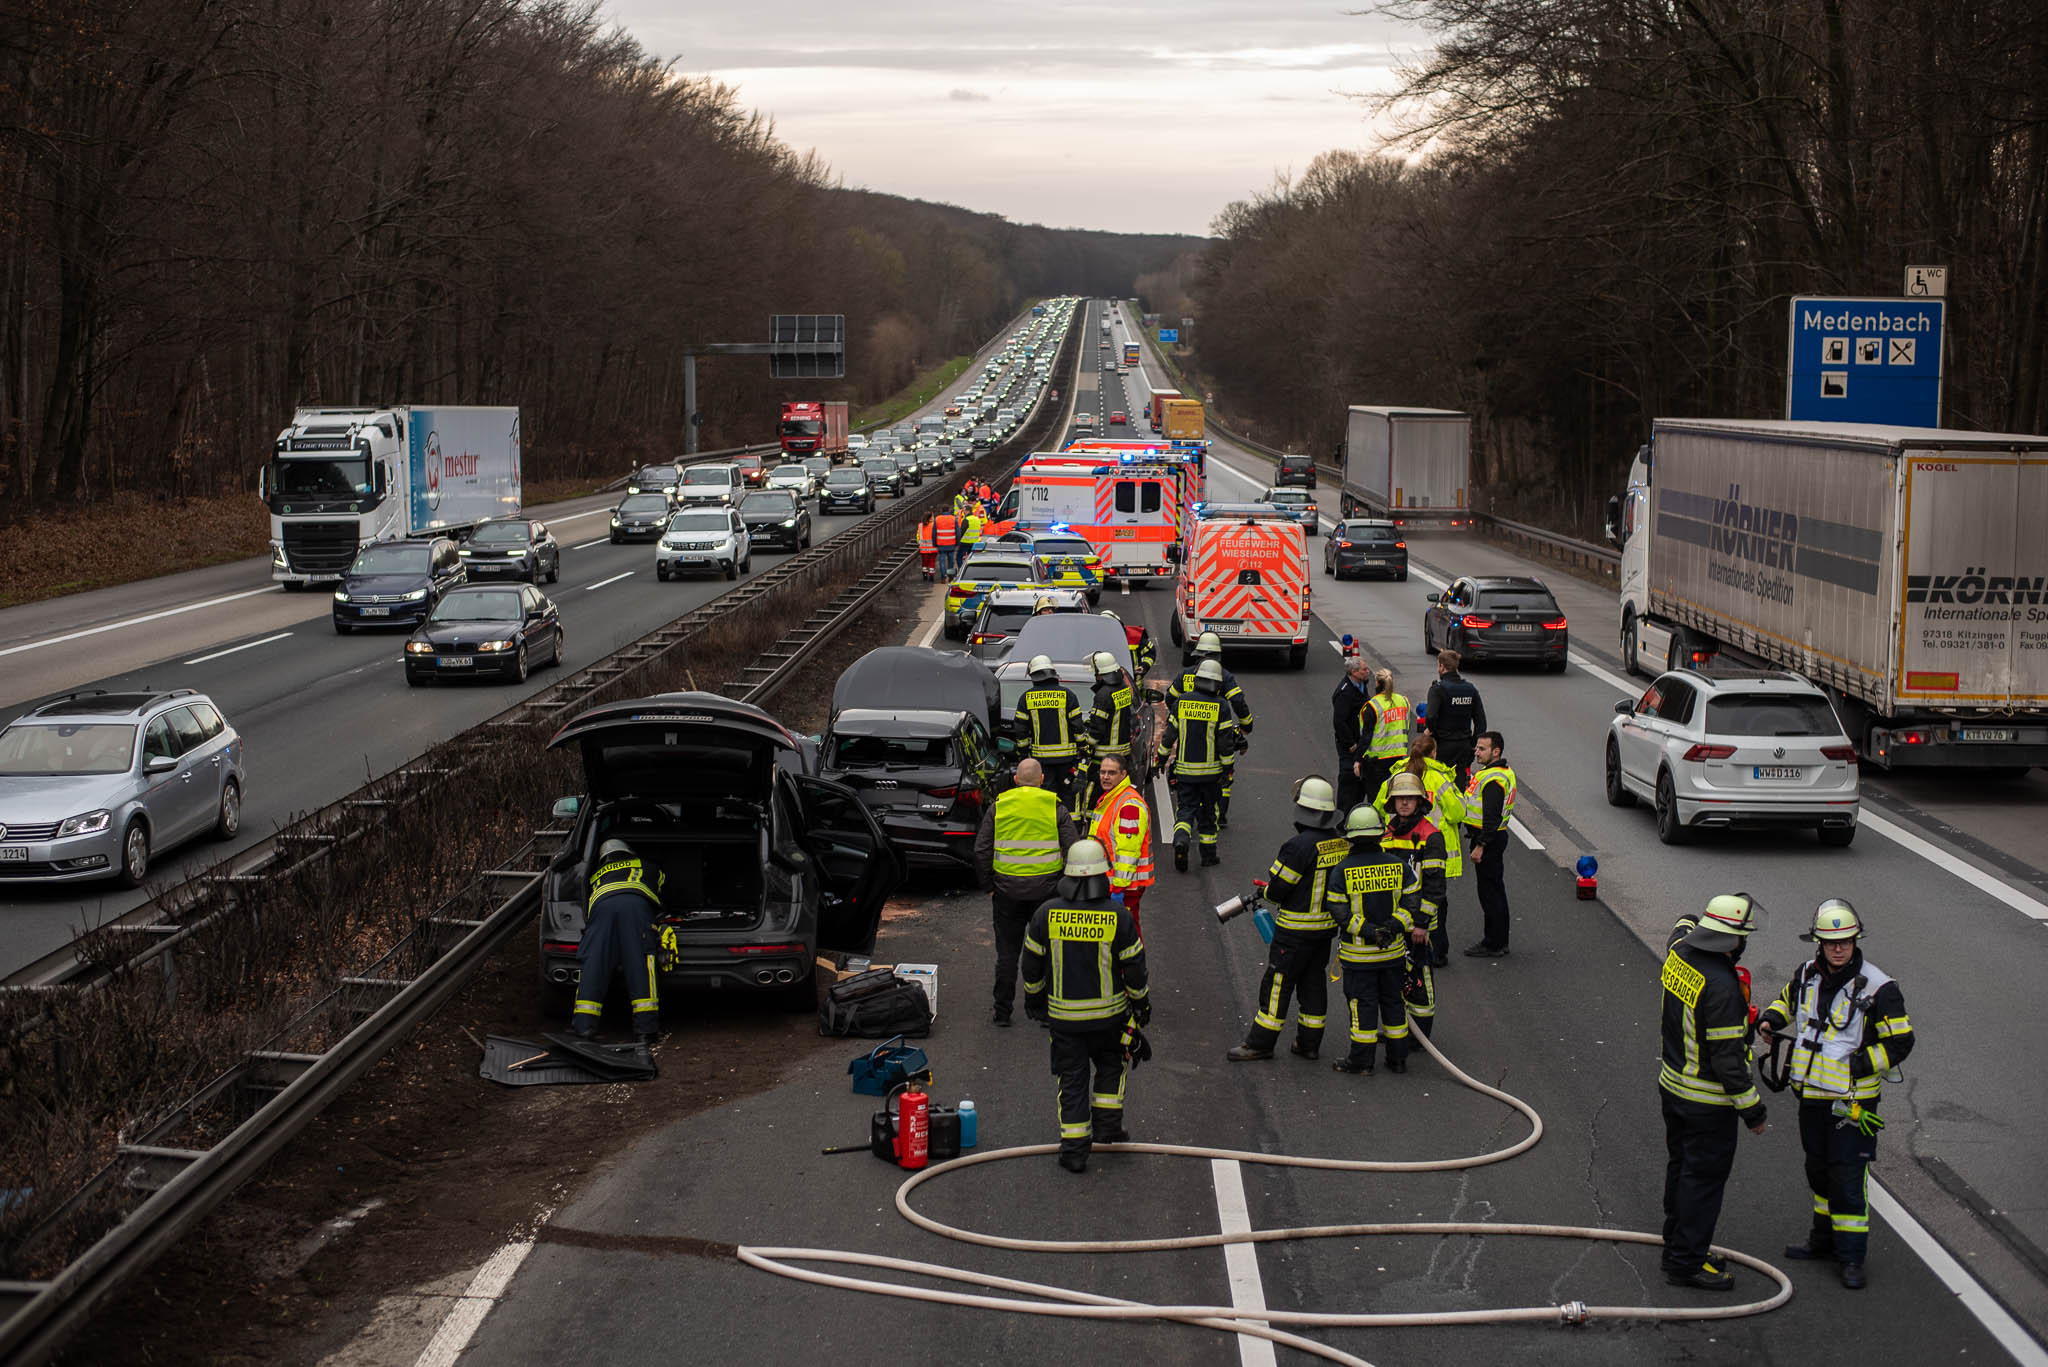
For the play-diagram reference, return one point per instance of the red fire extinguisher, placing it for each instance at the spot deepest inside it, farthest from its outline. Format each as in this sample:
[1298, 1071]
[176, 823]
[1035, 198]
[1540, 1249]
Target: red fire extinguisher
[913, 1130]
[1742, 976]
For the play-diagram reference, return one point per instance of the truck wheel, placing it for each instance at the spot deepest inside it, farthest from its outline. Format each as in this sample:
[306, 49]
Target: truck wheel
[1618, 794]
[1669, 830]
[1628, 647]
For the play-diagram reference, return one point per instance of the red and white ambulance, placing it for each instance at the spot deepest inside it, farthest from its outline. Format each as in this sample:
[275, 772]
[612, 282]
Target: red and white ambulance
[1244, 575]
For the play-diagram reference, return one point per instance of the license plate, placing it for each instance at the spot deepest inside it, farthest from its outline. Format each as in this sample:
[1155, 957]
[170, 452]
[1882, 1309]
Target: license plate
[458, 661]
[1224, 628]
[1985, 733]
[376, 612]
[1374, 562]
[1127, 533]
[1777, 771]
[1518, 626]
[13, 854]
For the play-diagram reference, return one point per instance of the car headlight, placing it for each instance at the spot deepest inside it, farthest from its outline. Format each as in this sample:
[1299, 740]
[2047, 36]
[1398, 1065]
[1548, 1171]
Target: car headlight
[632, 488]
[89, 823]
[416, 596]
[615, 519]
[668, 545]
[419, 647]
[341, 595]
[495, 645]
[465, 552]
[789, 522]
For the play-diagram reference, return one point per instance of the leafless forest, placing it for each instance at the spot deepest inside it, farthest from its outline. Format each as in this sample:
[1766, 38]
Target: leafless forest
[217, 209]
[1605, 206]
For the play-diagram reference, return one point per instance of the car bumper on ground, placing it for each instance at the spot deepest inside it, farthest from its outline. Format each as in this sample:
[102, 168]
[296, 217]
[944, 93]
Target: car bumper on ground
[74, 859]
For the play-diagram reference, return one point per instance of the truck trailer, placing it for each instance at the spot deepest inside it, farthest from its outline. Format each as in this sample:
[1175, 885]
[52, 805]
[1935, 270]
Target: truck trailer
[1406, 463]
[814, 429]
[1183, 420]
[340, 479]
[1903, 569]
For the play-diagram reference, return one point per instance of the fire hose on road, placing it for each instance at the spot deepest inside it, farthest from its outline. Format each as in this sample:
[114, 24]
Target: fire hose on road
[1070, 1303]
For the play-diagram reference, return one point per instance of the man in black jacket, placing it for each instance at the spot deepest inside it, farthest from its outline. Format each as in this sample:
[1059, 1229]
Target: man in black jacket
[1455, 715]
[1345, 704]
[1705, 1082]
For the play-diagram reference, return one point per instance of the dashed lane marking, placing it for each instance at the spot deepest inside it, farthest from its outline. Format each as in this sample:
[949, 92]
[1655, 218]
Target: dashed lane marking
[231, 650]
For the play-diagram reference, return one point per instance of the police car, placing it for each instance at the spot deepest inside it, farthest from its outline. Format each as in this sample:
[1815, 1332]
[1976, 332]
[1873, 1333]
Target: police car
[981, 574]
[1070, 561]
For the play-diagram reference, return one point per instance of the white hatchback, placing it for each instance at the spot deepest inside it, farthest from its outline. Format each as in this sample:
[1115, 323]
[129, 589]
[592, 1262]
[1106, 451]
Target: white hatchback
[1734, 748]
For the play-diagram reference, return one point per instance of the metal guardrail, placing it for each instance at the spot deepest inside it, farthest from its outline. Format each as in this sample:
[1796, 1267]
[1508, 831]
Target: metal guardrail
[284, 1090]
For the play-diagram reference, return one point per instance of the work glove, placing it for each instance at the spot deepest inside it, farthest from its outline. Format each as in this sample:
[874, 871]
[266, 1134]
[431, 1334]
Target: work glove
[1141, 1011]
[1384, 934]
[1867, 1123]
[1035, 1008]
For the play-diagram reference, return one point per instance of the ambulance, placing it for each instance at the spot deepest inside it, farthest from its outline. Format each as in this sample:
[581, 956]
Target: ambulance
[1129, 512]
[1244, 575]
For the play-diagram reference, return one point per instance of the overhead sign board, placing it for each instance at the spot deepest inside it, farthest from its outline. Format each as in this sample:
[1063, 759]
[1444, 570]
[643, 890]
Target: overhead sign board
[1864, 360]
[807, 346]
[1169, 334]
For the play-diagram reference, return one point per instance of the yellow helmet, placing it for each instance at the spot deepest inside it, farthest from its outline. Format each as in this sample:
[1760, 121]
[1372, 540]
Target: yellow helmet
[1834, 919]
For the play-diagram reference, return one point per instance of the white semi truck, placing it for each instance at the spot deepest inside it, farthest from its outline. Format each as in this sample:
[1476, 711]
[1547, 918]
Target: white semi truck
[1905, 569]
[1407, 463]
[340, 479]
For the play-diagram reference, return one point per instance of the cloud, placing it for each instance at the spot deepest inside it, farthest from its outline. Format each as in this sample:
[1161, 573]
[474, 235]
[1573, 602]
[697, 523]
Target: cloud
[967, 96]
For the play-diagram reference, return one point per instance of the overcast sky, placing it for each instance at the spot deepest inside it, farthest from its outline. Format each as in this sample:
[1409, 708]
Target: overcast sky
[1135, 116]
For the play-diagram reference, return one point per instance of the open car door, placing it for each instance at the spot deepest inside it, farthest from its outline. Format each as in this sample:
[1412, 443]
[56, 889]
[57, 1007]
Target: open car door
[857, 867]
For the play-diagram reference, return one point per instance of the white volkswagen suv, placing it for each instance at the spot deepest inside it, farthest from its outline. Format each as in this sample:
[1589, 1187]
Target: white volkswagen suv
[1734, 748]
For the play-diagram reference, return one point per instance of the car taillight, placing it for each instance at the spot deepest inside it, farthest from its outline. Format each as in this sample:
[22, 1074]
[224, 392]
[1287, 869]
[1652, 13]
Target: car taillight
[1475, 623]
[1699, 752]
[1400, 545]
[1846, 753]
[765, 949]
[1558, 625]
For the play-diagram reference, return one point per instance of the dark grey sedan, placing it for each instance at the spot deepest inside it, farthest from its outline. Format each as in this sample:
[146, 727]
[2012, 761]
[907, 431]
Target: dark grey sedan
[501, 630]
[776, 517]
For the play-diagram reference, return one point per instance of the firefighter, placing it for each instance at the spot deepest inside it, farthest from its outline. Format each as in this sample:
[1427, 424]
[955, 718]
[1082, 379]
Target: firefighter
[1414, 836]
[1123, 826]
[1489, 806]
[1084, 975]
[1447, 814]
[946, 541]
[1209, 646]
[1298, 961]
[1049, 726]
[1704, 1083]
[1018, 853]
[1382, 733]
[618, 937]
[1368, 897]
[1043, 606]
[1200, 731]
[1846, 1020]
[1113, 715]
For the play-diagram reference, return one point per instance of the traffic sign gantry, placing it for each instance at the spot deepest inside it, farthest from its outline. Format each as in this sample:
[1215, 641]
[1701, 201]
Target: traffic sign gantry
[1864, 360]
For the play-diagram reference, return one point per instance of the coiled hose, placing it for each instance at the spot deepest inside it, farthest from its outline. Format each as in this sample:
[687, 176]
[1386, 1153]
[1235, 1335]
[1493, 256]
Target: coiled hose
[1069, 1303]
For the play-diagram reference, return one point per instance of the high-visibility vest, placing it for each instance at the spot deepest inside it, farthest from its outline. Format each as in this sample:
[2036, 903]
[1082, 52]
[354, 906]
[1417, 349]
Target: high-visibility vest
[621, 875]
[1475, 793]
[1389, 713]
[970, 532]
[1824, 1046]
[945, 530]
[1027, 833]
[1123, 825]
[924, 536]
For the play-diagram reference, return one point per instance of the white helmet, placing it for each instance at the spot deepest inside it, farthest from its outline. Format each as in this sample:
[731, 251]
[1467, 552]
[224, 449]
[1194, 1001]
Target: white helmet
[1834, 919]
[1042, 664]
[614, 849]
[1365, 822]
[1209, 643]
[1315, 802]
[1105, 664]
[1726, 923]
[1405, 784]
[1087, 859]
[1209, 671]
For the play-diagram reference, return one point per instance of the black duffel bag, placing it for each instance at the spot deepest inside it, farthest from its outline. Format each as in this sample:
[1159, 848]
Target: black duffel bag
[897, 1008]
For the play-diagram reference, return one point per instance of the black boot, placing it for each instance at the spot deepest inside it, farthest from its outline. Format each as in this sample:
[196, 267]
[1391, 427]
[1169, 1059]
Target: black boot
[1354, 1067]
[1244, 1053]
[1810, 1252]
[1180, 855]
[1852, 1276]
[1706, 1278]
[1303, 1049]
[1074, 1160]
[1209, 856]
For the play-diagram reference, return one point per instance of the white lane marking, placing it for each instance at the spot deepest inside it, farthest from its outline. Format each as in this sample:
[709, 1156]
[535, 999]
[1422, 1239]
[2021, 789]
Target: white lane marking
[467, 1317]
[1162, 803]
[1522, 833]
[1241, 1261]
[1127, 588]
[1993, 1316]
[613, 580]
[1606, 676]
[578, 517]
[246, 645]
[925, 641]
[588, 544]
[138, 621]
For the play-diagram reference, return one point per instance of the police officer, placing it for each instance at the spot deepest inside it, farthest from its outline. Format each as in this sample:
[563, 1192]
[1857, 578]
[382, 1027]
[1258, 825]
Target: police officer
[1382, 733]
[1298, 961]
[1112, 714]
[1347, 703]
[1200, 733]
[1084, 973]
[1489, 803]
[1366, 896]
[1455, 715]
[1413, 836]
[618, 937]
[1704, 1082]
[1846, 1020]
[1017, 853]
[1049, 727]
[1209, 646]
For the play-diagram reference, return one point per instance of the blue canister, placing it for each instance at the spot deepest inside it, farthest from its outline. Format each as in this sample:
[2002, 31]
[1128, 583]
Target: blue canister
[970, 1125]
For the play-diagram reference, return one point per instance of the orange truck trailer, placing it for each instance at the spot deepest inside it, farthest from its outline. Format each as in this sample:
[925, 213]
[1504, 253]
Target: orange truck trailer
[1244, 575]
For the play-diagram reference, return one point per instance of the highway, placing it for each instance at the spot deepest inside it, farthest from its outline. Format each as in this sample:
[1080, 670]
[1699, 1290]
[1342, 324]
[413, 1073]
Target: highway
[321, 714]
[1568, 1023]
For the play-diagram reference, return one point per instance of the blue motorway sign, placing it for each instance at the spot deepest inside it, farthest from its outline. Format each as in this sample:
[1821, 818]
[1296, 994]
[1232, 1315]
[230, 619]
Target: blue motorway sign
[1169, 334]
[1865, 360]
